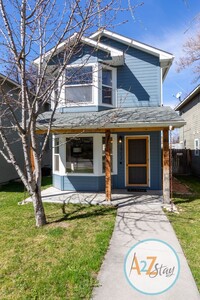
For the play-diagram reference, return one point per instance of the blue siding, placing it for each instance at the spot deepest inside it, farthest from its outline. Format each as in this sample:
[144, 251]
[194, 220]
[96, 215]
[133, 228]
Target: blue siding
[87, 54]
[85, 183]
[58, 182]
[82, 183]
[82, 108]
[139, 80]
[155, 160]
[90, 55]
[97, 183]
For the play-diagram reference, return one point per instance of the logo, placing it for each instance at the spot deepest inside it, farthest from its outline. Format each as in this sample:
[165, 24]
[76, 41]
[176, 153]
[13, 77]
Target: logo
[152, 267]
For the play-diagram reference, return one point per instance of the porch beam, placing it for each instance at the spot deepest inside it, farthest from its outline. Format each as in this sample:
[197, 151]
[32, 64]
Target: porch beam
[107, 166]
[101, 130]
[166, 167]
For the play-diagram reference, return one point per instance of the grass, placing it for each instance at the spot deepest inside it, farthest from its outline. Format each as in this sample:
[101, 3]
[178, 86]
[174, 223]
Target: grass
[187, 224]
[58, 261]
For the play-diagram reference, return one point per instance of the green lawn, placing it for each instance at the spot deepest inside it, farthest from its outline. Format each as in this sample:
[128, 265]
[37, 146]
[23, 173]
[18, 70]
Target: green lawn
[58, 261]
[187, 224]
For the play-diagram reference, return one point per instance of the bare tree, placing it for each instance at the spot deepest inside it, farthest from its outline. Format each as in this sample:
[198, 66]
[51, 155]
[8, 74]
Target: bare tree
[191, 48]
[37, 29]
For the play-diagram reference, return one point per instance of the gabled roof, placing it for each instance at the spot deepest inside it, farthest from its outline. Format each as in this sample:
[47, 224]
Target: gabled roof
[118, 118]
[117, 55]
[165, 58]
[185, 101]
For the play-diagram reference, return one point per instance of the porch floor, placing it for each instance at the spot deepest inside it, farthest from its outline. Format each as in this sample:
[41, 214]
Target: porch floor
[53, 195]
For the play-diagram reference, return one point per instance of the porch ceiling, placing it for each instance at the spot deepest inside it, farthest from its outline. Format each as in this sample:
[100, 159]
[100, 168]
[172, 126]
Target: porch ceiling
[117, 119]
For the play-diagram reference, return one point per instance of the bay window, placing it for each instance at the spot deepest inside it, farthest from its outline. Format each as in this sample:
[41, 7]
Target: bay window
[56, 155]
[79, 155]
[107, 90]
[78, 84]
[92, 84]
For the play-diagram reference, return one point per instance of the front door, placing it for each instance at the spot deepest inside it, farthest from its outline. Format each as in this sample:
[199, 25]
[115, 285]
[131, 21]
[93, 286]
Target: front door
[137, 161]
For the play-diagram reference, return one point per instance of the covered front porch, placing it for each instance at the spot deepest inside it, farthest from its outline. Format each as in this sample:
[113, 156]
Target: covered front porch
[131, 139]
[119, 197]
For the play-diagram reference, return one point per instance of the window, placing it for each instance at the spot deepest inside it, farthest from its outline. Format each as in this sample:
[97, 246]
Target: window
[79, 155]
[78, 84]
[104, 154]
[56, 154]
[107, 86]
[196, 147]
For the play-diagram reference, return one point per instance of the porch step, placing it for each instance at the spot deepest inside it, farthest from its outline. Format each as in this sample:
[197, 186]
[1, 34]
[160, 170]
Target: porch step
[136, 190]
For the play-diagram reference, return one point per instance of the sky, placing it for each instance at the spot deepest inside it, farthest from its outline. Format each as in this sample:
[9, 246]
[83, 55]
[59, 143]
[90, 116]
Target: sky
[166, 25]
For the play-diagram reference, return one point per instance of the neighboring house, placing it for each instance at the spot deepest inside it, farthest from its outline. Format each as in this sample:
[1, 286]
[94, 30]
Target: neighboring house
[7, 171]
[107, 128]
[189, 109]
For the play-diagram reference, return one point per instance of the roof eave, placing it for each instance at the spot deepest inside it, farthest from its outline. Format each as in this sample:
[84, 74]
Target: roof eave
[139, 125]
[117, 55]
[188, 98]
[165, 58]
[133, 43]
[166, 65]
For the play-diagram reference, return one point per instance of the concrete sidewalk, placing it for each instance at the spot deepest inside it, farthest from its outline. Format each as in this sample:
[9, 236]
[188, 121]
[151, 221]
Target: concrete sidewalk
[140, 218]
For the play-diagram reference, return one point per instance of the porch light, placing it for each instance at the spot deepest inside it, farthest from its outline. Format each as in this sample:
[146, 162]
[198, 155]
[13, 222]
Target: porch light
[120, 139]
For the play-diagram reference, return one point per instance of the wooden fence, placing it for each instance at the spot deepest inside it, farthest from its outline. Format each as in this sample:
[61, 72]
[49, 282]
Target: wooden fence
[181, 161]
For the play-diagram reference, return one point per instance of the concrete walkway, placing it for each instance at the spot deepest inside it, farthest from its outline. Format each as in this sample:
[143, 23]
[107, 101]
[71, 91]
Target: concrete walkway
[139, 218]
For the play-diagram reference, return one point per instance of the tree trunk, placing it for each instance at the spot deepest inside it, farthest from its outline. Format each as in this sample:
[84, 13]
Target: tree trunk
[40, 216]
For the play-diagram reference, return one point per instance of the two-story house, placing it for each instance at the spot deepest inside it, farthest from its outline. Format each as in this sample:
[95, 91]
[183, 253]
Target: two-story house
[189, 109]
[107, 128]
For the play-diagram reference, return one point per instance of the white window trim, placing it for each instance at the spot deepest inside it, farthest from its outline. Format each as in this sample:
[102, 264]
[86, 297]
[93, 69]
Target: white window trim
[60, 154]
[196, 148]
[149, 171]
[97, 159]
[114, 85]
[94, 84]
[96, 87]
[61, 94]
[114, 138]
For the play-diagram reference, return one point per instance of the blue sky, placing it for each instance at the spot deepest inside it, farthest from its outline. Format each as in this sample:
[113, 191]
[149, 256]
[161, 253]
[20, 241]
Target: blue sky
[165, 25]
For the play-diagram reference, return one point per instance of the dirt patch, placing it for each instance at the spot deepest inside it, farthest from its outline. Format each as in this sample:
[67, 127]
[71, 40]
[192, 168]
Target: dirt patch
[180, 188]
[58, 225]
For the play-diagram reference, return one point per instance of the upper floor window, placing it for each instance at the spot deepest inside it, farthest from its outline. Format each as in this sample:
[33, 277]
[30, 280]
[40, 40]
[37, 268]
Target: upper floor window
[92, 84]
[107, 86]
[78, 84]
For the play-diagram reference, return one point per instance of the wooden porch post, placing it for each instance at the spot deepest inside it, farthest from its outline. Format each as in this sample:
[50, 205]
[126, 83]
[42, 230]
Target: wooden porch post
[166, 167]
[107, 166]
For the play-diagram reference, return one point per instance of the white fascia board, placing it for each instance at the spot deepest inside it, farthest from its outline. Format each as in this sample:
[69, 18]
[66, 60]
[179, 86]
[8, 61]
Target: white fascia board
[174, 124]
[112, 51]
[130, 42]
[165, 65]
[164, 57]
[116, 54]
[59, 48]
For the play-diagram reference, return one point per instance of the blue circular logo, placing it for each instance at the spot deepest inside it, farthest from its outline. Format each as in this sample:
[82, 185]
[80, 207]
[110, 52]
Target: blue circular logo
[152, 267]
